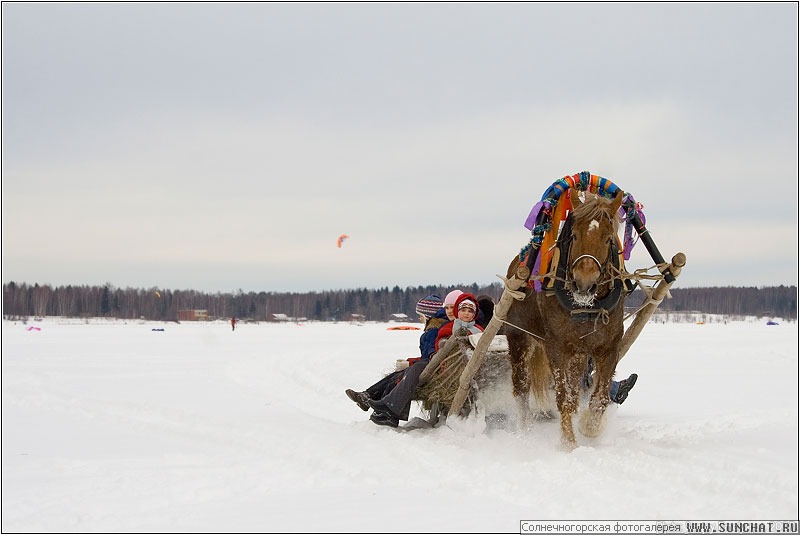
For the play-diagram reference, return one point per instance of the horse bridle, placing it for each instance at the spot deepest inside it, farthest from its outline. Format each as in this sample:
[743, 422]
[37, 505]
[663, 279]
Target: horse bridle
[596, 261]
[564, 276]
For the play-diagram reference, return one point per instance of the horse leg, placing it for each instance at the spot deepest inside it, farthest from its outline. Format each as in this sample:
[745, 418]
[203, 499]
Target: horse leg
[541, 379]
[567, 401]
[593, 420]
[566, 407]
[520, 379]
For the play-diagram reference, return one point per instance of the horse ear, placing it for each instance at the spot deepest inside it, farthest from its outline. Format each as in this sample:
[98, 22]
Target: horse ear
[617, 202]
[574, 197]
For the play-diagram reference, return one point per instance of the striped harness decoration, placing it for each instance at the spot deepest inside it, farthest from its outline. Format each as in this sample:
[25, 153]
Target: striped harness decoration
[548, 215]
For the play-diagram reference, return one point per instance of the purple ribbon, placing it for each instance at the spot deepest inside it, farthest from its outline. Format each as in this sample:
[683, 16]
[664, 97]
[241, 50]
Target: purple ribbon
[629, 241]
[531, 221]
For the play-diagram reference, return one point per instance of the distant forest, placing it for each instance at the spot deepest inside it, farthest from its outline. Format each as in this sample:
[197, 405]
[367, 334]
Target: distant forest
[21, 301]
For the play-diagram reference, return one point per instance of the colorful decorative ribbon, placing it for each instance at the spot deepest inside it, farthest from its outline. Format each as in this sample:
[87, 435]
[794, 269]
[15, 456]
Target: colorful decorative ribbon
[544, 219]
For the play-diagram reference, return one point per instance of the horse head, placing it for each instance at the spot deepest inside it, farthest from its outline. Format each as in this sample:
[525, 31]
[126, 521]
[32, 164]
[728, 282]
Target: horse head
[592, 234]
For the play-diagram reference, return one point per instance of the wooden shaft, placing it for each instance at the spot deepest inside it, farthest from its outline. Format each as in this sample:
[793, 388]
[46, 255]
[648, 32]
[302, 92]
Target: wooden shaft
[650, 245]
[519, 279]
[643, 316]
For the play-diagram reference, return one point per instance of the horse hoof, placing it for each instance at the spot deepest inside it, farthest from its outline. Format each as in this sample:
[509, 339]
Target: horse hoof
[568, 444]
[591, 425]
[526, 422]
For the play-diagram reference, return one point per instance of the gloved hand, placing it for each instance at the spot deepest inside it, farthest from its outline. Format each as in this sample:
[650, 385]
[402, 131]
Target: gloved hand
[400, 365]
[468, 325]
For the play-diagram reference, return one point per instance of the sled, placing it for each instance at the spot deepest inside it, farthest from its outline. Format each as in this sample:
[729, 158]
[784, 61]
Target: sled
[440, 380]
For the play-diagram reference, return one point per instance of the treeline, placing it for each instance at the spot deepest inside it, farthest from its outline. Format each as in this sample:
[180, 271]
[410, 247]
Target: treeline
[776, 301]
[21, 300]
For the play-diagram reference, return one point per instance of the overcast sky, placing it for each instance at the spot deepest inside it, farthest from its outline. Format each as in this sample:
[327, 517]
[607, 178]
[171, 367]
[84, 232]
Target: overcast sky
[219, 147]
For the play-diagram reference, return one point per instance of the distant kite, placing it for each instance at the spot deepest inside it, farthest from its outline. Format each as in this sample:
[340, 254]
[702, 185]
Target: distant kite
[340, 239]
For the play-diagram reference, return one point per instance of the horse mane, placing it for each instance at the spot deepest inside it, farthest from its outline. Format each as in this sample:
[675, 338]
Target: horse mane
[594, 207]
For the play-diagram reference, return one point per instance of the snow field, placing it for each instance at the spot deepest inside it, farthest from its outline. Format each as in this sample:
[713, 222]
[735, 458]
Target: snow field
[110, 426]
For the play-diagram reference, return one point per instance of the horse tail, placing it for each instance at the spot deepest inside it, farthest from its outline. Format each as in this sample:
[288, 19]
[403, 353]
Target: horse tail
[540, 376]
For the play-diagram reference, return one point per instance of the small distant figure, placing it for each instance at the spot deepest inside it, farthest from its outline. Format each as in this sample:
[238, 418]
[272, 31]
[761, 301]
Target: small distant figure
[233, 323]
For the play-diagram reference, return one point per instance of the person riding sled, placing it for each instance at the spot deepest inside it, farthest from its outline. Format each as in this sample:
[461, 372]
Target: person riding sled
[390, 398]
[466, 313]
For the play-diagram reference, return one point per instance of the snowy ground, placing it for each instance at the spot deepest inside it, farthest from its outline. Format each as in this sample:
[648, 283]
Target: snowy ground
[110, 427]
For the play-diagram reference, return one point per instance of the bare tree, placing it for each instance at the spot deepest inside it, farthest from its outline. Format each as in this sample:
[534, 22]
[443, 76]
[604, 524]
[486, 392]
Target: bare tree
[41, 295]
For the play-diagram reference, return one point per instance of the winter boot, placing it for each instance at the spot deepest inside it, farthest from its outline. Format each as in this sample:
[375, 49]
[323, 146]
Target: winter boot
[625, 386]
[360, 398]
[385, 418]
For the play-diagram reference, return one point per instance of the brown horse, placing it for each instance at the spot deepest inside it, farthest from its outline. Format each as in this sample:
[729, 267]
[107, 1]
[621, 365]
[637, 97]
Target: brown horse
[579, 318]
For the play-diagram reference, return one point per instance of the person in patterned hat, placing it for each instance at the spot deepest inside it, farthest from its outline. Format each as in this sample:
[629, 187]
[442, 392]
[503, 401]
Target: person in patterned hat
[427, 307]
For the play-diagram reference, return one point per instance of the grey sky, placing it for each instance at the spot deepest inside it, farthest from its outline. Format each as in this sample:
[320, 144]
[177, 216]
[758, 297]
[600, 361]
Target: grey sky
[226, 146]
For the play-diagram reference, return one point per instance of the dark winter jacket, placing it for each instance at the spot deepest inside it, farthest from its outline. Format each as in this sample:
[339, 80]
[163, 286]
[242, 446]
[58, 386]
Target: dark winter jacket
[427, 342]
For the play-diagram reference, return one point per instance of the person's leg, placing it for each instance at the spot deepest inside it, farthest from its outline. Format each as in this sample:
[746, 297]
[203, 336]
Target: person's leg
[385, 385]
[398, 401]
[376, 391]
[617, 392]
